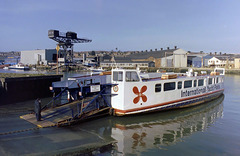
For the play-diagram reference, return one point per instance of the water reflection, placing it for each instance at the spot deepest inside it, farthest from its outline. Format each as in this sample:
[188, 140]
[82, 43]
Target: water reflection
[131, 134]
[140, 133]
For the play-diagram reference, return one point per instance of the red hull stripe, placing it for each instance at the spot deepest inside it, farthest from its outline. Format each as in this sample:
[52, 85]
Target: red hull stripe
[161, 104]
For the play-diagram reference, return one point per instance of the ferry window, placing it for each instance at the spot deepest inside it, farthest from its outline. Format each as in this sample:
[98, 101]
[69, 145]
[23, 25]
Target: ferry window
[131, 76]
[96, 81]
[169, 86]
[87, 82]
[188, 84]
[158, 87]
[117, 76]
[209, 81]
[221, 79]
[195, 83]
[217, 81]
[180, 85]
[200, 82]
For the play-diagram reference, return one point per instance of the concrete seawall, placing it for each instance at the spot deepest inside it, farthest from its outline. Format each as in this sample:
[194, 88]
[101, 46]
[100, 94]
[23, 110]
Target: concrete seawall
[19, 89]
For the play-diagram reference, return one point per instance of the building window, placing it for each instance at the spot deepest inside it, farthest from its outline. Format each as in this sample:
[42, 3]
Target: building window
[195, 83]
[188, 84]
[117, 76]
[180, 85]
[209, 81]
[200, 82]
[158, 87]
[169, 86]
[131, 76]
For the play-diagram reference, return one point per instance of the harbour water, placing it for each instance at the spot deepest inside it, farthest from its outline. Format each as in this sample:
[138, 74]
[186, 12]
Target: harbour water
[208, 129]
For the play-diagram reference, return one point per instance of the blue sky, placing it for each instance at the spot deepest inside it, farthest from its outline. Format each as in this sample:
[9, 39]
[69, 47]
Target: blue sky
[195, 25]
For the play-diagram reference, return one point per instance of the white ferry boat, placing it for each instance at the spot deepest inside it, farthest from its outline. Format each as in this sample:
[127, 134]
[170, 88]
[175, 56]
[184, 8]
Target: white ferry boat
[124, 92]
[19, 66]
[137, 92]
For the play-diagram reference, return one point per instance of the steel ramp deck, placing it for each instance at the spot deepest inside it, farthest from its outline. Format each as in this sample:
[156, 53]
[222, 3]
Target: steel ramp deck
[62, 114]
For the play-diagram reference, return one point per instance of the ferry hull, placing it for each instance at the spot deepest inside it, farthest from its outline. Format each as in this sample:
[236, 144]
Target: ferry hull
[18, 68]
[182, 103]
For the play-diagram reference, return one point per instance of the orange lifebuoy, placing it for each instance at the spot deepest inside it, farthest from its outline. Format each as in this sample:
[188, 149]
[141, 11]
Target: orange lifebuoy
[115, 88]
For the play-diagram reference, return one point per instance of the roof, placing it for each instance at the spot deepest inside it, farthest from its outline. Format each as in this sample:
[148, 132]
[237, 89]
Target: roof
[208, 57]
[126, 61]
[146, 55]
[196, 54]
[122, 58]
[223, 58]
[13, 57]
[106, 57]
[201, 57]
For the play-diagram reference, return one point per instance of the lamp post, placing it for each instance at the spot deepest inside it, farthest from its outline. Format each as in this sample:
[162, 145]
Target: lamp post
[57, 48]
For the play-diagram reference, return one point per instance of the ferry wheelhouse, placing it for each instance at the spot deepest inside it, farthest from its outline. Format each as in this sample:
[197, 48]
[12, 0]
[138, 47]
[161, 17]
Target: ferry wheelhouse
[137, 92]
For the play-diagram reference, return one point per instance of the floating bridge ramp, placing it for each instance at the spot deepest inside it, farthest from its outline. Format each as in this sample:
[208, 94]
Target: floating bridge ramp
[87, 97]
[70, 113]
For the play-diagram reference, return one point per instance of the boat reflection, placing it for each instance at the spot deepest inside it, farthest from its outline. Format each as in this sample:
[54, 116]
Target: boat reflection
[140, 133]
[130, 134]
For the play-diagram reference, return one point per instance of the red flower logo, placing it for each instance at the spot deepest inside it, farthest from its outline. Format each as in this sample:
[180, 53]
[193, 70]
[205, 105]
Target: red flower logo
[139, 94]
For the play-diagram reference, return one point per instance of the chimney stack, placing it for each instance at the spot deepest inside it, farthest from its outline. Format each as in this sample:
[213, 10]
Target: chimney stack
[167, 48]
[215, 53]
[84, 57]
[156, 49]
[161, 48]
[175, 47]
[220, 53]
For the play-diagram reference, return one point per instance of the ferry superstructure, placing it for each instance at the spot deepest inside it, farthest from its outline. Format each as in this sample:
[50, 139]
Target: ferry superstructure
[138, 93]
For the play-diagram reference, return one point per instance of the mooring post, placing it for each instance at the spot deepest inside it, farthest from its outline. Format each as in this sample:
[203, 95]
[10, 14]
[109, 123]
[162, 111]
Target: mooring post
[53, 99]
[38, 109]
[81, 107]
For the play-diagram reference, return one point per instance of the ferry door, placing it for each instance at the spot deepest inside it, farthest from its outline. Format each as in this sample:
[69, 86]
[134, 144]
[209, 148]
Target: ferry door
[118, 89]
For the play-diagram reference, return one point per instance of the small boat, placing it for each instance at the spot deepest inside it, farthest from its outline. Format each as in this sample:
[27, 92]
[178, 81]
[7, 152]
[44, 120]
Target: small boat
[5, 66]
[100, 69]
[19, 66]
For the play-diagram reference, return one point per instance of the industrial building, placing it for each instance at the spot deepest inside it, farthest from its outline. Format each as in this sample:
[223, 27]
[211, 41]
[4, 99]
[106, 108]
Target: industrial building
[159, 58]
[39, 57]
[201, 61]
[237, 63]
[221, 61]
[177, 58]
[127, 64]
[12, 60]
